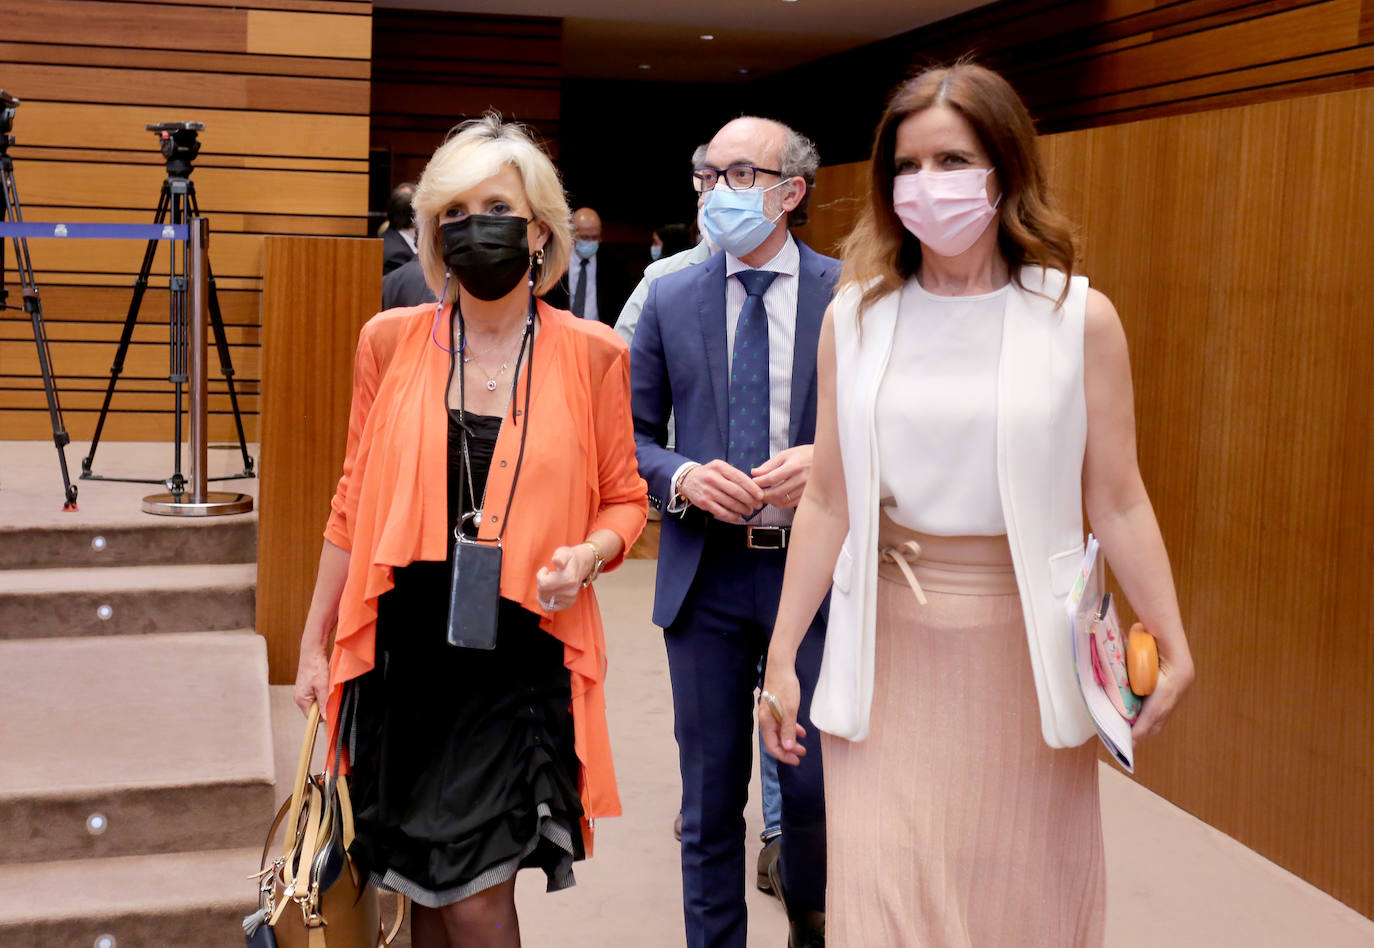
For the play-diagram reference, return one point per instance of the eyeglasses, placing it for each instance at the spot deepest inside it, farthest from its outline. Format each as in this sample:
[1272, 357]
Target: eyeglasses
[737, 177]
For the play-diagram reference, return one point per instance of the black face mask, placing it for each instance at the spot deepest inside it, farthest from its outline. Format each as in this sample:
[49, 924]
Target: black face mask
[488, 254]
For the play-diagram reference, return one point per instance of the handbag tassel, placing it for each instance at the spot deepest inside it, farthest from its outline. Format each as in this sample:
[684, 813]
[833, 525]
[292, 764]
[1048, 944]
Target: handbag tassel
[251, 923]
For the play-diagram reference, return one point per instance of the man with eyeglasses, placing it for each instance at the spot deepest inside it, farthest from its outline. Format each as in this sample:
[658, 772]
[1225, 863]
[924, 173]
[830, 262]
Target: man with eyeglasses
[771, 837]
[729, 346]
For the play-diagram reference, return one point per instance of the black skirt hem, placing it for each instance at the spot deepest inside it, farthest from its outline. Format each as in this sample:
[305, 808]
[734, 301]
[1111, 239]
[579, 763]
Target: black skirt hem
[552, 849]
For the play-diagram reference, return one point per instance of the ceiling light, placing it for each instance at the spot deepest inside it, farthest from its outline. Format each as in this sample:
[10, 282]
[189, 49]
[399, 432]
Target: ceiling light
[707, 36]
[645, 66]
[744, 72]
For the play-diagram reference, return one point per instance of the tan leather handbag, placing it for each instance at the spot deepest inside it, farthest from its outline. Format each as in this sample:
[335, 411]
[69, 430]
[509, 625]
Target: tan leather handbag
[313, 895]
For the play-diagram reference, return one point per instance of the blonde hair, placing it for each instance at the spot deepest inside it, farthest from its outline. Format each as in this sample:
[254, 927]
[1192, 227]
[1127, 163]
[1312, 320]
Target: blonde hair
[880, 255]
[473, 152]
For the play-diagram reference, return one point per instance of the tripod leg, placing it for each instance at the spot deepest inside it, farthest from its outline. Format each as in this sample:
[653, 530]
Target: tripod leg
[140, 287]
[60, 438]
[226, 366]
[226, 363]
[33, 305]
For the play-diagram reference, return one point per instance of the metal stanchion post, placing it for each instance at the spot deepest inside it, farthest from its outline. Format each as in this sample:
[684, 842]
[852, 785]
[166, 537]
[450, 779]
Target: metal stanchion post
[198, 501]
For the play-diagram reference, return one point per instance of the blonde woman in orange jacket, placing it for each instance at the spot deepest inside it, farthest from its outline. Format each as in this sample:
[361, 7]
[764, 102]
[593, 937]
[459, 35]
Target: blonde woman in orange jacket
[469, 764]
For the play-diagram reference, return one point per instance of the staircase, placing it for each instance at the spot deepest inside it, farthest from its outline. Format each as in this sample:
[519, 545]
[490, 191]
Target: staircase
[136, 754]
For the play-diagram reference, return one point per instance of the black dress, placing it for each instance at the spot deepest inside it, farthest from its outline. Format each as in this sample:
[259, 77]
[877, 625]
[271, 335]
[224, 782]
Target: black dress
[464, 768]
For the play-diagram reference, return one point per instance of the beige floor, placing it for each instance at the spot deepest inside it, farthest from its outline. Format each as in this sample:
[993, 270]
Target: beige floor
[31, 481]
[1172, 880]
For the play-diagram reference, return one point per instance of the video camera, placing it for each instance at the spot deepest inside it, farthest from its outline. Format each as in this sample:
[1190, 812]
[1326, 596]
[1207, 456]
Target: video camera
[179, 144]
[8, 104]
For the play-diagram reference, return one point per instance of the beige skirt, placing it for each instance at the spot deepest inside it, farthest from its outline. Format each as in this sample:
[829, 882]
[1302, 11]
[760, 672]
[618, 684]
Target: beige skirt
[954, 824]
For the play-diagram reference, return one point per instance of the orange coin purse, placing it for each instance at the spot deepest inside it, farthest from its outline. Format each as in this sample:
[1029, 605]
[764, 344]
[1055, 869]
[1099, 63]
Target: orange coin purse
[1142, 660]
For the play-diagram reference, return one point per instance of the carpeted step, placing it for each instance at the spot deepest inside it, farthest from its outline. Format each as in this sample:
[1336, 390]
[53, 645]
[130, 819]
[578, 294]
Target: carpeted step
[133, 744]
[126, 600]
[156, 540]
[177, 899]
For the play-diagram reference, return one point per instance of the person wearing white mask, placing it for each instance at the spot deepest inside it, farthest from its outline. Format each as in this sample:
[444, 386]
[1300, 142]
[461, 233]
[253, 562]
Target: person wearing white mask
[596, 283]
[729, 347]
[975, 396]
[629, 314]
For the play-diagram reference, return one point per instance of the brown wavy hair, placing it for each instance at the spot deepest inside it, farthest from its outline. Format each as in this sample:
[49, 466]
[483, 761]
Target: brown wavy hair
[880, 254]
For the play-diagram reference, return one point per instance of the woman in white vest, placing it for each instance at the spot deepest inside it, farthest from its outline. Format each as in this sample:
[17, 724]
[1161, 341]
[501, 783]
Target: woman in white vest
[973, 394]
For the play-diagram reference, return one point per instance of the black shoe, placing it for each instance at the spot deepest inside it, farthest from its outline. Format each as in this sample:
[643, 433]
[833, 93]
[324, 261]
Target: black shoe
[805, 927]
[808, 931]
[768, 855]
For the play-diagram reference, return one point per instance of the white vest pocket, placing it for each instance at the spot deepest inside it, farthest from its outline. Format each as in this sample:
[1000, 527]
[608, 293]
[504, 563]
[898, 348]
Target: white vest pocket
[1064, 568]
[843, 576]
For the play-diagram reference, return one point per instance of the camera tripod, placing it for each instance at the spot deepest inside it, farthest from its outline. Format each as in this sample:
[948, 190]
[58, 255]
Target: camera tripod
[33, 305]
[180, 146]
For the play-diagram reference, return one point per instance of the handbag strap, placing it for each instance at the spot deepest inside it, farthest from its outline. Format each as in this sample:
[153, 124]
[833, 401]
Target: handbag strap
[312, 725]
[335, 783]
[309, 842]
[345, 811]
[271, 834]
[390, 936]
[289, 874]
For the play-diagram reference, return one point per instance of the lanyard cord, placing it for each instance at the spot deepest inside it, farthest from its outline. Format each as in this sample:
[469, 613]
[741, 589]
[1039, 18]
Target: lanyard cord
[460, 345]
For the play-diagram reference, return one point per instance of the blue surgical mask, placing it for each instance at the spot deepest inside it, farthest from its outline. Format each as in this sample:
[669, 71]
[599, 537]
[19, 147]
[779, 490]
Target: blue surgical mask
[734, 220]
[586, 248]
[655, 251]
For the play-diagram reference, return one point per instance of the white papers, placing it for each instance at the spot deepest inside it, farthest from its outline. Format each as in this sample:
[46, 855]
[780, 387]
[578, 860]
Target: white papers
[1081, 605]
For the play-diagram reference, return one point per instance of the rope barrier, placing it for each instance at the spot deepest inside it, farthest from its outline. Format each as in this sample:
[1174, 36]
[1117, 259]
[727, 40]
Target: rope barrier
[94, 231]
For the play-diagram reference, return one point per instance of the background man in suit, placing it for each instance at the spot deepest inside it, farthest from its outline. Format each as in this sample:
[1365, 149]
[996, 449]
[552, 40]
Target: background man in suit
[629, 314]
[596, 283]
[406, 286]
[729, 345]
[398, 241]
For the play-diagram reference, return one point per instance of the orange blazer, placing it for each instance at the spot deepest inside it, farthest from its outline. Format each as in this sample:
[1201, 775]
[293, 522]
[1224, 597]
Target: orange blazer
[578, 475]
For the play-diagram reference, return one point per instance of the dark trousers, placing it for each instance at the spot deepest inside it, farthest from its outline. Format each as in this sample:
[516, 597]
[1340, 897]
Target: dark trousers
[714, 649]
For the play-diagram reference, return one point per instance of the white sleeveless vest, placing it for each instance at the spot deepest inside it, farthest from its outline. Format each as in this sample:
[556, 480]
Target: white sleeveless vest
[1041, 436]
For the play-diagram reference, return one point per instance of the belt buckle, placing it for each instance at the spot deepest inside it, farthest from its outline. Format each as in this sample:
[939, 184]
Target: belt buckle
[778, 535]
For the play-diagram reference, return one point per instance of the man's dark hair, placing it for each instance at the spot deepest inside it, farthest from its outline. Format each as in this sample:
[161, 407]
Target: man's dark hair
[398, 213]
[676, 238]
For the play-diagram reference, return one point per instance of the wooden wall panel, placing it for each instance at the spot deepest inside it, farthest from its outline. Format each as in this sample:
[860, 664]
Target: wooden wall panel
[279, 33]
[432, 70]
[1235, 244]
[1085, 63]
[835, 206]
[184, 88]
[317, 293]
[283, 135]
[283, 89]
[85, 184]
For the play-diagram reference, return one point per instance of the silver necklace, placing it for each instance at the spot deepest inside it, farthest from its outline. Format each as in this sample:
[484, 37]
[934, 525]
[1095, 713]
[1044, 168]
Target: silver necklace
[491, 376]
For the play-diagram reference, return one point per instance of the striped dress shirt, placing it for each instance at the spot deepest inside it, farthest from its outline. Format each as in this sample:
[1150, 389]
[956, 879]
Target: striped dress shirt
[780, 301]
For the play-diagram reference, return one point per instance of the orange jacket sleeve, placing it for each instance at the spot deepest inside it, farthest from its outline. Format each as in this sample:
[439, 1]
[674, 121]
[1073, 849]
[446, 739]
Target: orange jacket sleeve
[623, 494]
[338, 529]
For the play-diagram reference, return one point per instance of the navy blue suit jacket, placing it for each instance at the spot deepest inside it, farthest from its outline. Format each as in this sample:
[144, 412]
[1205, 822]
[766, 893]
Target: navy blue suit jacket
[678, 365]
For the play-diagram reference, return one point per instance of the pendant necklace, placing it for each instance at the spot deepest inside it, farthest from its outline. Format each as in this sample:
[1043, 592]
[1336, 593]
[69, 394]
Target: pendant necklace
[491, 377]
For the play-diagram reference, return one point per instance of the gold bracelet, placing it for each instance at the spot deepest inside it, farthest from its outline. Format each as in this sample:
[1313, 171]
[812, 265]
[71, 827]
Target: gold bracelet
[598, 561]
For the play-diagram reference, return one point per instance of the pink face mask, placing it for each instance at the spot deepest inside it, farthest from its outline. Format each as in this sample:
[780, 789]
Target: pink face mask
[946, 210]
